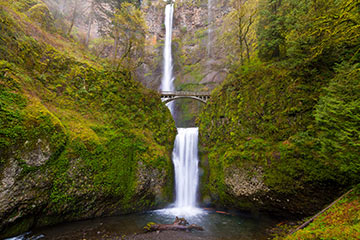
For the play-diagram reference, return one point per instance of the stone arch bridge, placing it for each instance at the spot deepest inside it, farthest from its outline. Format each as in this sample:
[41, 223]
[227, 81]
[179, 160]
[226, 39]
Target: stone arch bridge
[168, 96]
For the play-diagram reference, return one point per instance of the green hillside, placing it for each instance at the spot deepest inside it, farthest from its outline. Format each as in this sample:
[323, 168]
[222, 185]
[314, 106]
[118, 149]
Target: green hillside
[287, 122]
[74, 132]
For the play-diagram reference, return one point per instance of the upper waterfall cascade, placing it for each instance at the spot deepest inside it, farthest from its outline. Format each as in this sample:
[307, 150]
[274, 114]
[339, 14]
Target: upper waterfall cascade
[167, 78]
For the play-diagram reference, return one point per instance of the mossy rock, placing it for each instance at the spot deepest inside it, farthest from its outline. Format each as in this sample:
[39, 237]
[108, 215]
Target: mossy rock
[41, 14]
[25, 5]
[253, 120]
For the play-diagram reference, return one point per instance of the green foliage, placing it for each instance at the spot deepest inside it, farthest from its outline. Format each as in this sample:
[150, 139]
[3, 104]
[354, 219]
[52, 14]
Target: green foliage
[129, 31]
[238, 31]
[341, 221]
[251, 122]
[271, 30]
[338, 119]
[24, 5]
[149, 226]
[41, 14]
[101, 128]
[296, 114]
[11, 115]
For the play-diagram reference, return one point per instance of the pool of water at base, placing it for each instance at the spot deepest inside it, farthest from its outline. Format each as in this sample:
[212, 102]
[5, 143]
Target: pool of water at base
[217, 226]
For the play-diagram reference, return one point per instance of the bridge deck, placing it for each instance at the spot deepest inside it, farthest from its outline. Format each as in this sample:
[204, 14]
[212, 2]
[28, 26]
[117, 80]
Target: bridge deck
[183, 93]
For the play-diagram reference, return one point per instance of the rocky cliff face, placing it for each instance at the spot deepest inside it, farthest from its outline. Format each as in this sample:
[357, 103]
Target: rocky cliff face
[246, 189]
[40, 197]
[197, 63]
[26, 200]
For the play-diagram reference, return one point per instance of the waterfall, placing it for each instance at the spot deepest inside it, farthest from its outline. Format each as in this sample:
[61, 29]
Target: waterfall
[167, 81]
[185, 158]
[185, 153]
[167, 78]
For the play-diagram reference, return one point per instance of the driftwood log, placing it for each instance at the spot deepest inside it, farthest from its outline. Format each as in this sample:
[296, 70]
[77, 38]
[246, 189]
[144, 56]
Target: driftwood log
[180, 224]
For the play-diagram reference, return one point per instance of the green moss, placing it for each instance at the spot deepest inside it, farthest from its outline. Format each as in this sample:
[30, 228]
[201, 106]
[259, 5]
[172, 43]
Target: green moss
[263, 115]
[41, 14]
[97, 124]
[11, 128]
[24, 5]
[296, 114]
[342, 221]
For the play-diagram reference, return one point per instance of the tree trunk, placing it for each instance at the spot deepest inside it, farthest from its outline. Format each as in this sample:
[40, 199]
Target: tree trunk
[247, 50]
[90, 21]
[246, 35]
[240, 38]
[73, 17]
[116, 43]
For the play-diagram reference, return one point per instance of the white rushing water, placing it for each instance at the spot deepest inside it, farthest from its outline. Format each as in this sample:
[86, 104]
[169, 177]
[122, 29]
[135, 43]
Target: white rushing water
[185, 158]
[167, 81]
[185, 153]
[167, 78]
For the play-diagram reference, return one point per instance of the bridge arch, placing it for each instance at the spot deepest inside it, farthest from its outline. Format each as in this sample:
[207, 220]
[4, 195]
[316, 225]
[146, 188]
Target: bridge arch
[167, 100]
[168, 96]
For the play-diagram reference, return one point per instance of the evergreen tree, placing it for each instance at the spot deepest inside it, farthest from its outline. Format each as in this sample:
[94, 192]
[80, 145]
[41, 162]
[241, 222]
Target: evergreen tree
[338, 120]
[271, 29]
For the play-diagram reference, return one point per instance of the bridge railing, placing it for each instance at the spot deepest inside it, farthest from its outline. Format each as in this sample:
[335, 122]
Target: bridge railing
[183, 93]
